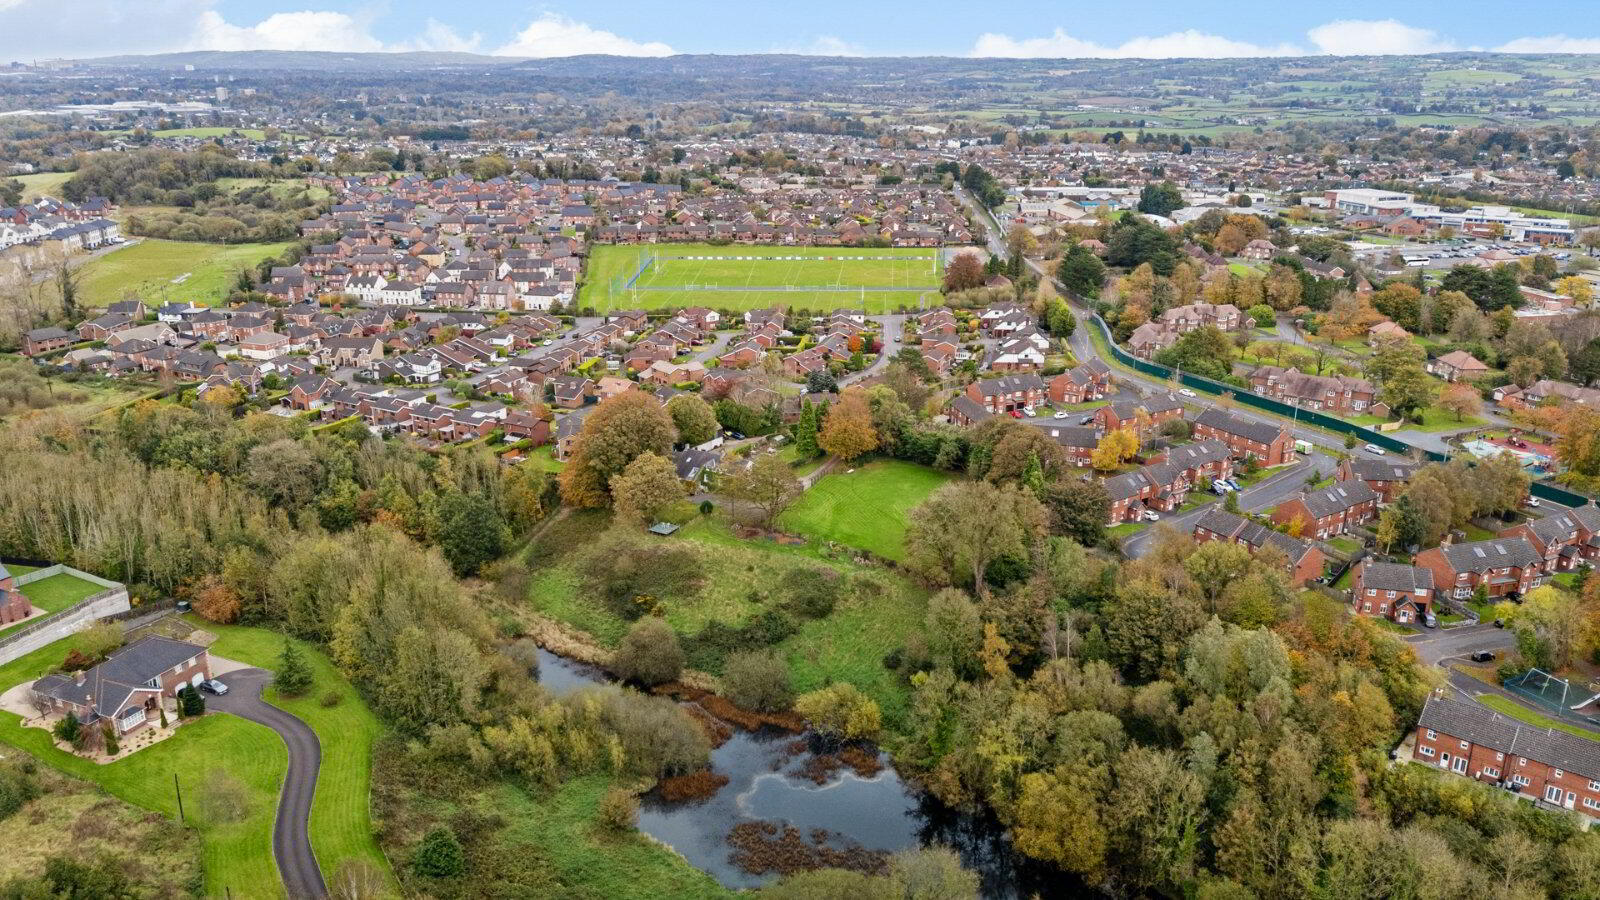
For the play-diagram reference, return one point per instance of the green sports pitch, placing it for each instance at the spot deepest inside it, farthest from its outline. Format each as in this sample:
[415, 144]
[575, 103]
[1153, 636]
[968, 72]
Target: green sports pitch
[738, 277]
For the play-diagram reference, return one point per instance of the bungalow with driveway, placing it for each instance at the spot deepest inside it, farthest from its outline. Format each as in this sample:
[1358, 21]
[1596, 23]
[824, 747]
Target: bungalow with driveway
[127, 688]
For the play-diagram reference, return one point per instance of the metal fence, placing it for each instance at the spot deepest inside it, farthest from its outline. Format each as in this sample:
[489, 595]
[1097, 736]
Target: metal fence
[1538, 489]
[1554, 695]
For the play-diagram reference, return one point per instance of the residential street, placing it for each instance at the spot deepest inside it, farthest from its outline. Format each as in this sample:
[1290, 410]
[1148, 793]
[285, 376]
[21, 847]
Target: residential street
[1256, 498]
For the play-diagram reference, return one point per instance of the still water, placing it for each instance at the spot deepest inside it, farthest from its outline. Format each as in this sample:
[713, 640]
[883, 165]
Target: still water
[880, 813]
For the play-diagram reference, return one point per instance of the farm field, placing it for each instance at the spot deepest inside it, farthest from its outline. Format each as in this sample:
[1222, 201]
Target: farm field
[748, 277]
[865, 508]
[148, 268]
[42, 184]
[237, 854]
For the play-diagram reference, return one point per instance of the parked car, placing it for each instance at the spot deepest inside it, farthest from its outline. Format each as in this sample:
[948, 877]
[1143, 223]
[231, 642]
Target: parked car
[1185, 392]
[1499, 623]
[1151, 515]
[1430, 620]
[213, 686]
[1483, 656]
[1016, 414]
[1028, 411]
[1374, 449]
[1533, 501]
[1086, 420]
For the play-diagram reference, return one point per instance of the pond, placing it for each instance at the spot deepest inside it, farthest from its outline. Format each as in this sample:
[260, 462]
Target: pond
[773, 786]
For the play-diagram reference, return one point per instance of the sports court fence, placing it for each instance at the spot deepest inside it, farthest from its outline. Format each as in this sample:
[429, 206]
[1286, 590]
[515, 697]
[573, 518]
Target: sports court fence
[1557, 695]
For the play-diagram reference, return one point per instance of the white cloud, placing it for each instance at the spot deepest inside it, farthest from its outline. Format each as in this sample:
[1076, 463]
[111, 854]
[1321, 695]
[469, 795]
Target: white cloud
[306, 30]
[553, 34]
[436, 35]
[1190, 43]
[1555, 43]
[1379, 37]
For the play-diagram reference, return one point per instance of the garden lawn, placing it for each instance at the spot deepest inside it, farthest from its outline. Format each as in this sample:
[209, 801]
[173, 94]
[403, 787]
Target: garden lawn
[1508, 707]
[341, 823]
[865, 508]
[1437, 419]
[237, 855]
[54, 594]
[149, 267]
[544, 458]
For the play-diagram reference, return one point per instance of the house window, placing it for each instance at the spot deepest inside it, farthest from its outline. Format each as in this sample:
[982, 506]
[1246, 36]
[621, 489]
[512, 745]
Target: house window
[1427, 751]
[1594, 786]
[1463, 745]
[1552, 794]
[1432, 734]
[1499, 757]
[1491, 771]
[131, 717]
[1522, 760]
[1559, 773]
[1461, 765]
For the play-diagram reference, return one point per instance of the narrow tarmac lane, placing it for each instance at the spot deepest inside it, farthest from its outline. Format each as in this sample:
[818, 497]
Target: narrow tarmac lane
[291, 836]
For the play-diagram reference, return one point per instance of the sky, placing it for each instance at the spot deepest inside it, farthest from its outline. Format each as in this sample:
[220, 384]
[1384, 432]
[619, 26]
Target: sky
[39, 29]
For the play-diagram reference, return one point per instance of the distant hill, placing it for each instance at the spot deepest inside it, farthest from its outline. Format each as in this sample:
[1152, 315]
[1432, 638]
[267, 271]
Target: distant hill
[261, 60]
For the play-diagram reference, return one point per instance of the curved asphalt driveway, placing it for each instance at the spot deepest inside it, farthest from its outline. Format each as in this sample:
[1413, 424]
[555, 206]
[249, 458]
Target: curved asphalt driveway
[291, 838]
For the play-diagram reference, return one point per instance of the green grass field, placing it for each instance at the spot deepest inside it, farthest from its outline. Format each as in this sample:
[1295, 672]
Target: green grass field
[237, 854]
[872, 619]
[54, 594]
[148, 269]
[865, 508]
[723, 280]
[42, 184]
[341, 823]
[1512, 709]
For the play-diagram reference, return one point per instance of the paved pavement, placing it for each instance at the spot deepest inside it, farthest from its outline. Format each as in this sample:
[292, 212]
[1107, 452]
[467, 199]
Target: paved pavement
[291, 839]
[890, 328]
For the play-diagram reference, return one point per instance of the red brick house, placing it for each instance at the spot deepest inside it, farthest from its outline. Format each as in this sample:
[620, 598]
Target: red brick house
[963, 410]
[1331, 511]
[1008, 392]
[127, 688]
[1125, 413]
[45, 340]
[1387, 478]
[14, 605]
[1458, 365]
[1271, 444]
[1393, 591]
[1544, 765]
[1305, 559]
[1340, 394]
[1081, 384]
[1563, 539]
[522, 425]
[1503, 566]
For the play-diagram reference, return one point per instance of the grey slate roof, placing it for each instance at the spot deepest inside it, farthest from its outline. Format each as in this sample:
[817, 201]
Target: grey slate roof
[1341, 496]
[1485, 727]
[1498, 553]
[1381, 469]
[128, 670]
[1010, 384]
[1220, 521]
[1396, 577]
[1228, 423]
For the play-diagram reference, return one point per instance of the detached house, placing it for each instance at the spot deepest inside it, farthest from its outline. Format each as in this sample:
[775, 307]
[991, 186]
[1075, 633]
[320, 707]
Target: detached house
[127, 688]
[1394, 591]
[1502, 566]
[1329, 512]
[1458, 365]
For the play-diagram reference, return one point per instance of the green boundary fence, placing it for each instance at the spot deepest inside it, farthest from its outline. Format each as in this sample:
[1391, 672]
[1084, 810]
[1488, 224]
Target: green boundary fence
[1310, 417]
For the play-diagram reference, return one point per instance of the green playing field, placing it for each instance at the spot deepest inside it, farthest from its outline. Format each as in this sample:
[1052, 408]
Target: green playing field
[751, 277]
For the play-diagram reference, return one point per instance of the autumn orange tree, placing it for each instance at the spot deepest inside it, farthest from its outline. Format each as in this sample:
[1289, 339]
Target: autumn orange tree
[847, 431]
[619, 431]
[1114, 448]
[964, 273]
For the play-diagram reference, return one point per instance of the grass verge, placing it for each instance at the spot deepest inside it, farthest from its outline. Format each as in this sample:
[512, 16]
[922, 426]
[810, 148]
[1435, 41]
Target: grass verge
[1512, 709]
